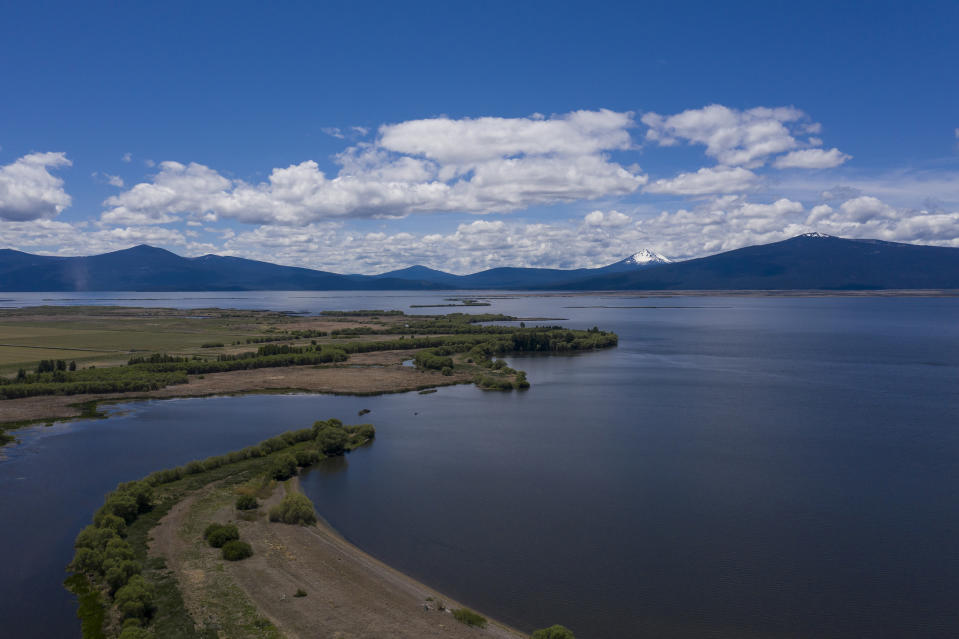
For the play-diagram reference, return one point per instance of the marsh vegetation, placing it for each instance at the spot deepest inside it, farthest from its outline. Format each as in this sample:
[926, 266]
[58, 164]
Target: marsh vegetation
[452, 348]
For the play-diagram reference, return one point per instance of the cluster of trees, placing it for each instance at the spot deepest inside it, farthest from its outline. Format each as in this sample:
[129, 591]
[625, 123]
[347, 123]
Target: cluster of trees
[282, 356]
[118, 379]
[361, 312]
[333, 438]
[355, 330]
[158, 371]
[158, 358]
[435, 359]
[107, 560]
[287, 336]
[51, 365]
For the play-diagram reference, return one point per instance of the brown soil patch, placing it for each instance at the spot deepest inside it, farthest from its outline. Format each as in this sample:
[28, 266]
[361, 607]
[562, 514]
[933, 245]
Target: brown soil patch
[349, 594]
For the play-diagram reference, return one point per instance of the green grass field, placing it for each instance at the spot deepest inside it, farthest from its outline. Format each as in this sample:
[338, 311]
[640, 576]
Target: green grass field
[104, 336]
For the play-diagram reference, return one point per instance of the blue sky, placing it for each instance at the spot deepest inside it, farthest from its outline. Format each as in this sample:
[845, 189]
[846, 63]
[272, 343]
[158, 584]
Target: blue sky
[369, 136]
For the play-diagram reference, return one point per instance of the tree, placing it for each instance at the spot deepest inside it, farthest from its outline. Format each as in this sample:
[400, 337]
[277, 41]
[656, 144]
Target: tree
[118, 573]
[331, 440]
[283, 467]
[135, 599]
[87, 560]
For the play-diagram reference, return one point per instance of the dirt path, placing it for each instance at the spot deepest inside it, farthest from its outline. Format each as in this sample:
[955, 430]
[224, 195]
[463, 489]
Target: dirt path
[350, 595]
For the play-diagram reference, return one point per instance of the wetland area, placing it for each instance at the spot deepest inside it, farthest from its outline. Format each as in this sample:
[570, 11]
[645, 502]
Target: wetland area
[736, 467]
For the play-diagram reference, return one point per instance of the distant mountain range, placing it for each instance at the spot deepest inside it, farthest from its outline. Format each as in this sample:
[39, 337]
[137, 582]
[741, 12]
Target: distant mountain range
[806, 262]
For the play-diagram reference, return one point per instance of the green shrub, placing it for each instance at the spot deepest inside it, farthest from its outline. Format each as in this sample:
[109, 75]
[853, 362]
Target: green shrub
[135, 632]
[553, 632]
[219, 534]
[283, 467]
[470, 618]
[332, 440]
[307, 457]
[236, 550]
[432, 359]
[119, 504]
[296, 508]
[246, 502]
[363, 432]
[299, 593]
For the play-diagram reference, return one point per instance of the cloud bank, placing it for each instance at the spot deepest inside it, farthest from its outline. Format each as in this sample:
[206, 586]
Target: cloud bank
[483, 165]
[769, 178]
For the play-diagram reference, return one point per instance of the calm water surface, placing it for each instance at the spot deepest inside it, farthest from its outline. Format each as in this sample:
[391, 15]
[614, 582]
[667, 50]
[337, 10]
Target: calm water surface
[738, 467]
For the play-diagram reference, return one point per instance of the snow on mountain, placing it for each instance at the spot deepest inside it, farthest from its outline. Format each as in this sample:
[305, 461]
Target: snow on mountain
[646, 257]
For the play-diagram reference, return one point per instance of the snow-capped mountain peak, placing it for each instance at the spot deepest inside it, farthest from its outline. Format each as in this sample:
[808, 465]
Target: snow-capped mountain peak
[646, 256]
[815, 234]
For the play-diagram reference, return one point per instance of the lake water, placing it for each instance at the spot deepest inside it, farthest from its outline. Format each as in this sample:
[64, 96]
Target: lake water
[737, 467]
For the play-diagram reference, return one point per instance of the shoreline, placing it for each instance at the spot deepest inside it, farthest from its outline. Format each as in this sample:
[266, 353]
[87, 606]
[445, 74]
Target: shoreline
[327, 380]
[329, 532]
[350, 592]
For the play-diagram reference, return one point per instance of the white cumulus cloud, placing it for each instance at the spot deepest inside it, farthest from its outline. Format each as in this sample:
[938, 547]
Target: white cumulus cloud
[735, 138]
[811, 159]
[28, 191]
[478, 165]
[720, 179]
[610, 219]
